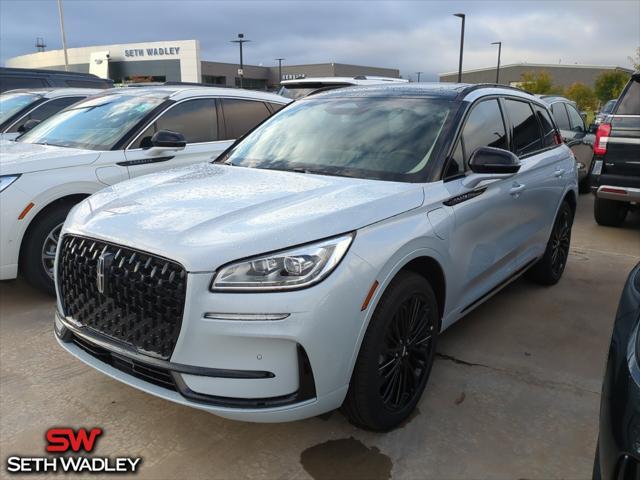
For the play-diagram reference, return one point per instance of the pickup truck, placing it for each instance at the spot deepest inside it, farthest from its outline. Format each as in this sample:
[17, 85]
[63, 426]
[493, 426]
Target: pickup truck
[615, 170]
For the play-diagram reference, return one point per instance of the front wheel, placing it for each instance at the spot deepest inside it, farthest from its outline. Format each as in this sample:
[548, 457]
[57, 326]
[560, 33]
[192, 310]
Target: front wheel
[396, 355]
[550, 267]
[39, 248]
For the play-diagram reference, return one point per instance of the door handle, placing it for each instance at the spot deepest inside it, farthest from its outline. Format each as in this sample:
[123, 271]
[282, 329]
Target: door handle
[517, 189]
[558, 173]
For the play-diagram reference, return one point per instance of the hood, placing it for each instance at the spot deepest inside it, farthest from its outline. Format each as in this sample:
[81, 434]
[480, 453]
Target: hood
[19, 157]
[207, 215]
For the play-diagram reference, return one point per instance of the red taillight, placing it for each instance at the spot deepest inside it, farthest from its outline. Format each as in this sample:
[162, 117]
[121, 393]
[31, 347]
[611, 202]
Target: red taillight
[602, 137]
[557, 138]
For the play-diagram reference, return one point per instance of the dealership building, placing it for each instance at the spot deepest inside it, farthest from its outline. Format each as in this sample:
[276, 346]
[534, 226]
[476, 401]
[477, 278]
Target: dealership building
[562, 75]
[180, 61]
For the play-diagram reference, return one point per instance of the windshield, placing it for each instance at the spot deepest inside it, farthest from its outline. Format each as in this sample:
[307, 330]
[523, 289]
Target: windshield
[12, 103]
[608, 107]
[96, 123]
[376, 138]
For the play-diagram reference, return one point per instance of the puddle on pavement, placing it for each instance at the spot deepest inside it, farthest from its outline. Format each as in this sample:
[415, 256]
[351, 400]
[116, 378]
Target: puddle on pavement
[348, 458]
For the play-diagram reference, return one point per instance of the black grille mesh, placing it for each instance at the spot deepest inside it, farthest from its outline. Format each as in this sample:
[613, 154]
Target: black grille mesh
[143, 300]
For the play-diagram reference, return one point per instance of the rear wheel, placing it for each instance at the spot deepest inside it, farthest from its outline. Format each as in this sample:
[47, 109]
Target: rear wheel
[396, 355]
[584, 186]
[610, 213]
[39, 248]
[550, 267]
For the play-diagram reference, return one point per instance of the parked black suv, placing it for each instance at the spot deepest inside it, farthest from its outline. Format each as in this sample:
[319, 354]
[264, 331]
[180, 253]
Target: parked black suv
[615, 173]
[618, 451]
[14, 78]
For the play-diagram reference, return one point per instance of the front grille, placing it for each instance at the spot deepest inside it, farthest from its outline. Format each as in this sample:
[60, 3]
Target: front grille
[157, 376]
[142, 299]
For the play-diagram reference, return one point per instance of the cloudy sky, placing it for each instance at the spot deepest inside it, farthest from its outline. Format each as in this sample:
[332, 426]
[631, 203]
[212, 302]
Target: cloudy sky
[409, 35]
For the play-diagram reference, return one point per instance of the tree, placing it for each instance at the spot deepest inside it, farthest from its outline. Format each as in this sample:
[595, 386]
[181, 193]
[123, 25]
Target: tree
[539, 82]
[635, 59]
[610, 84]
[583, 95]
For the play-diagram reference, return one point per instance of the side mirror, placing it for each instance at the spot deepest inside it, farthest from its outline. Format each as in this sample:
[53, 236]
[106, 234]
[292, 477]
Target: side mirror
[488, 163]
[28, 125]
[164, 141]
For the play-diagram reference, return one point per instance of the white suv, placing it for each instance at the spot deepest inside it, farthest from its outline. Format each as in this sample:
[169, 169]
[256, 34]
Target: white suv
[21, 110]
[315, 263]
[101, 141]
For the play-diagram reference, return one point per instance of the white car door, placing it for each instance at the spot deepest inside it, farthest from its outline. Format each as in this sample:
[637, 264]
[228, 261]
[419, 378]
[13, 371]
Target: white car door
[197, 120]
[484, 243]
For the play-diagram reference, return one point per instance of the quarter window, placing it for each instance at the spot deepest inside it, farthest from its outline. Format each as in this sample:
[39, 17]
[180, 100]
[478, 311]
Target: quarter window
[560, 114]
[195, 119]
[46, 110]
[548, 130]
[240, 116]
[526, 133]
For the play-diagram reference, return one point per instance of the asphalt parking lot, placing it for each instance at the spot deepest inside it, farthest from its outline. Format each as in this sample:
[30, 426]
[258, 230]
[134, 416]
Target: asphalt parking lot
[514, 392]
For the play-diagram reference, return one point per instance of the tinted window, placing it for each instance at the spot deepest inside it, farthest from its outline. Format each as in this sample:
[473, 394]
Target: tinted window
[240, 116]
[379, 138]
[11, 83]
[577, 124]
[195, 119]
[44, 111]
[526, 133]
[87, 83]
[630, 100]
[276, 106]
[560, 115]
[546, 124]
[484, 128]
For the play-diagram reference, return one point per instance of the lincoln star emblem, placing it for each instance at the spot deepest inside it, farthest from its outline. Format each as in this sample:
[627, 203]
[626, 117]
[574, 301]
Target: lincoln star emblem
[104, 261]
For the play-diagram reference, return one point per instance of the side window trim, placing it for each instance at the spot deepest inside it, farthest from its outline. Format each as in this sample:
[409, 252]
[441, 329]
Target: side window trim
[160, 114]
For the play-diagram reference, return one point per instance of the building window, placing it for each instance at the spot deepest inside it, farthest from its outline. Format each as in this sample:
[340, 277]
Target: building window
[252, 83]
[214, 79]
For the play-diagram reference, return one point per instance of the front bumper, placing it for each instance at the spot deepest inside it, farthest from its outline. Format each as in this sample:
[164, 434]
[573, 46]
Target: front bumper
[281, 370]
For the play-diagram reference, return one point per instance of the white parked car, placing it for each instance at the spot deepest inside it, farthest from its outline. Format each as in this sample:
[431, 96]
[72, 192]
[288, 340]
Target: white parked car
[21, 110]
[301, 87]
[105, 139]
[315, 263]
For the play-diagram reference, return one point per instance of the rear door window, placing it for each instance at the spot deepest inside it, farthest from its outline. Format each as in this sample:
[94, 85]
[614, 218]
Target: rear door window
[240, 116]
[196, 119]
[546, 124]
[11, 82]
[526, 133]
[45, 110]
[630, 100]
[560, 115]
[577, 124]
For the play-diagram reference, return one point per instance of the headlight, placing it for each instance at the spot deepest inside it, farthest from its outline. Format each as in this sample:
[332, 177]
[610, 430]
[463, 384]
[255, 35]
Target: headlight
[6, 180]
[295, 268]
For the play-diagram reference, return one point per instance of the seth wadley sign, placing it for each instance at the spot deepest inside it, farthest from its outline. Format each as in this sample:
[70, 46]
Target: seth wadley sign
[152, 52]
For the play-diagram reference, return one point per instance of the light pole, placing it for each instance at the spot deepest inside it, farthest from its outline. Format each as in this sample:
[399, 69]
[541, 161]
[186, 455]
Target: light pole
[418, 73]
[280, 69]
[498, 67]
[462, 16]
[240, 40]
[64, 36]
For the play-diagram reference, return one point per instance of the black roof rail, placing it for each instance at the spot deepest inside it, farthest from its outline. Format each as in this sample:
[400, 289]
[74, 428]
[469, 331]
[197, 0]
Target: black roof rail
[478, 86]
[46, 71]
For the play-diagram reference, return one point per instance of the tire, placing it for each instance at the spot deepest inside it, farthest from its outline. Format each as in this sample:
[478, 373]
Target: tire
[597, 474]
[610, 213]
[396, 355]
[38, 247]
[548, 270]
[584, 186]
